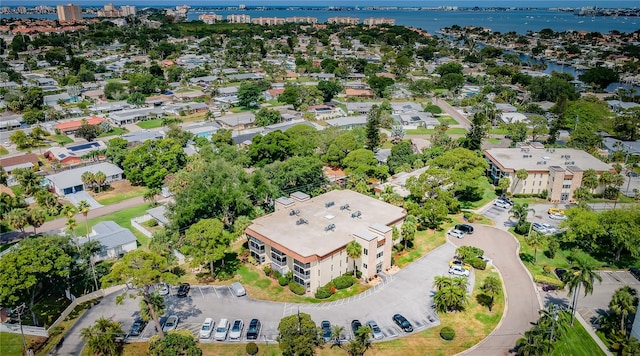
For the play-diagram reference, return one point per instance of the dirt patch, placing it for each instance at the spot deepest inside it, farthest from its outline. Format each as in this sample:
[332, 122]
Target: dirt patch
[118, 188]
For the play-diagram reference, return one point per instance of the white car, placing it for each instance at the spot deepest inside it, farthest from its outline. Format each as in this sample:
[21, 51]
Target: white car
[456, 233]
[236, 330]
[549, 228]
[163, 289]
[458, 271]
[501, 204]
[171, 324]
[207, 328]
[557, 217]
[222, 330]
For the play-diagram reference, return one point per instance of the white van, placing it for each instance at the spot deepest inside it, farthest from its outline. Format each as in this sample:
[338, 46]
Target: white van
[222, 330]
[238, 289]
[207, 328]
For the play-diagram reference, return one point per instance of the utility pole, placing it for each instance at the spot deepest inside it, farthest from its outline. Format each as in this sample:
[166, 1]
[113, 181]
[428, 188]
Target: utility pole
[19, 310]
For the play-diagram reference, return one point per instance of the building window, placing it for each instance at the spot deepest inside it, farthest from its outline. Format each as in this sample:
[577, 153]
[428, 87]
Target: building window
[364, 265]
[278, 257]
[331, 268]
[539, 183]
[566, 186]
[379, 254]
[365, 252]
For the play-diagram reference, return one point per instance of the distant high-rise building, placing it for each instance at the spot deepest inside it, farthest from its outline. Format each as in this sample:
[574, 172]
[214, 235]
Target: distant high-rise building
[69, 12]
[239, 18]
[128, 10]
[344, 20]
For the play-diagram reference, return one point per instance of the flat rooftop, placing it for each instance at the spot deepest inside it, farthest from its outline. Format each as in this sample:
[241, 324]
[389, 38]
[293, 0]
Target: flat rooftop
[312, 237]
[540, 159]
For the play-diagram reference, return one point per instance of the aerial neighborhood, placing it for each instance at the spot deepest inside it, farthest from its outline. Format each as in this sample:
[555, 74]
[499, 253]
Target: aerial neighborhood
[197, 181]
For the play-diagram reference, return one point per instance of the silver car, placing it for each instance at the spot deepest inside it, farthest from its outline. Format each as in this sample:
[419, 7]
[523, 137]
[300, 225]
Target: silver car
[236, 330]
[456, 233]
[376, 333]
[171, 324]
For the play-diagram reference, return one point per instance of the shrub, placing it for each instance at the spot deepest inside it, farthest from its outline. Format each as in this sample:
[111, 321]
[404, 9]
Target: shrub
[551, 281]
[467, 252]
[522, 228]
[275, 275]
[267, 270]
[297, 288]
[152, 223]
[283, 281]
[552, 248]
[434, 109]
[323, 293]
[447, 333]
[547, 269]
[477, 263]
[343, 282]
[251, 348]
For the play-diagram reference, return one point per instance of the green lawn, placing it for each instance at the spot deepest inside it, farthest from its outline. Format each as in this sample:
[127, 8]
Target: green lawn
[447, 120]
[115, 131]
[11, 344]
[498, 131]
[150, 124]
[113, 199]
[489, 193]
[122, 218]
[61, 139]
[576, 342]
[494, 141]
[3, 151]
[423, 131]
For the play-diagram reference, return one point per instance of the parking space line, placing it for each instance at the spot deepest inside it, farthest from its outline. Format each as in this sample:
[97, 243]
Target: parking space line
[200, 289]
[216, 291]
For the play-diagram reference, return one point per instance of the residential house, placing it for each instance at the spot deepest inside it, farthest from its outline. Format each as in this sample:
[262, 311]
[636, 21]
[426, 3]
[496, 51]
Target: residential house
[237, 121]
[359, 93]
[348, 122]
[139, 137]
[114, 239]
[132, 116]
[73, 154]
[308, 236]
[70, 181]
[70, 127]
[27, 160]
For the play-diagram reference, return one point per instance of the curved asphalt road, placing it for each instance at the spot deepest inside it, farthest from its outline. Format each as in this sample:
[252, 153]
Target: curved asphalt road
[522, 301]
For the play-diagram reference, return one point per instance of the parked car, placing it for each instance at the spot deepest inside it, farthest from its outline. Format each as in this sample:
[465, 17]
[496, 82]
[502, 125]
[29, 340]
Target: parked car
[162, 321]
[557, 216]
[506, 200]
[560, 272]
[456, 233]
[635, 272]
[466, 228]
[458, 271]
[138, 327]
[171, 324]
[355, 325]
[207, 328]
[501, 204]
[539, 228]
[183, 290]
[457, 262]
[254, 329]
[376, 333]
[163, 289]
[326, 330]
[238, 289]
[549, 228]
[403, 323]
[222, 330]
[236, 330]
[555, 211]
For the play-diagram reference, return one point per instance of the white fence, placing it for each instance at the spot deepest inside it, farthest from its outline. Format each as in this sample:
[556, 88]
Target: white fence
[28, 330]
[135, 222]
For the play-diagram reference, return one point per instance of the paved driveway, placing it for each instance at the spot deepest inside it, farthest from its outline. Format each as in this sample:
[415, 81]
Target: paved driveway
[522, 299]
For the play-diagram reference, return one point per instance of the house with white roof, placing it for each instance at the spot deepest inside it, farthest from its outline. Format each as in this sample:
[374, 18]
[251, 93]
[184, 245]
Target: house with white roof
[114, 239]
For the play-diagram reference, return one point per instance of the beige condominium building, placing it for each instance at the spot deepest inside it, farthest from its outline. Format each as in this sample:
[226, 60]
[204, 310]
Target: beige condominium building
[69, 12]
[557, 170]
[308, 236]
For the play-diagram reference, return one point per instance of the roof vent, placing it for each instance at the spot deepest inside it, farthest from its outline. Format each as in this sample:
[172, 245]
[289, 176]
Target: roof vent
[330, 227]
[356, 214]
[345, 207]
[295, 212]
[329, 204]
[302, 221]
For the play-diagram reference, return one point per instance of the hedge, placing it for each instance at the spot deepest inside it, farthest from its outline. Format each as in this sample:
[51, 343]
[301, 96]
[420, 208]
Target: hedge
[251, 348]
[477, 263]
[283, 281]
[538, 278]
[447, 333]
[343, 282]
[297, 288]
[323, 293]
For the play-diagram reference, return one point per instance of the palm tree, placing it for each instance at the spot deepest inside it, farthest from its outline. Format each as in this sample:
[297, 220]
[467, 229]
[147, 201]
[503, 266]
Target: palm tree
[28, 179]
[624, 303]
[582, 274]
[88, 179]
[520, 211]
[590, 179]
[156, 302]
[150, 195]
[84, 208]
[36, 218]
[535, 240]
[336, 334]
[521, 174]
[451, 293]
[17, 218]
[100, 178]
[408, 230]
[71, 225]
[491, 286]
[101, 337]
[354, 251]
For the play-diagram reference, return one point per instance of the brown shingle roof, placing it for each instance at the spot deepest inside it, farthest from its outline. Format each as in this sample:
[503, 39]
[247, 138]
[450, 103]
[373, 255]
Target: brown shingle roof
[16, 160]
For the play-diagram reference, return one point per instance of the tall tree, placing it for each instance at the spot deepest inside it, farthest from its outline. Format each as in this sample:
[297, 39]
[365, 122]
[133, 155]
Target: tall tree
[206, 242]
[374, 122]
[477, 132]
[623, 304]
[451, 293]
[179, 342]
[102, 337]
[582, 274]
[298, 335]
[535, 240]
[36, 217]
[491, 286]
[142, 269]
[100, 179]
[88, 179]
[17, 218]
[354, 251]
[248, 94]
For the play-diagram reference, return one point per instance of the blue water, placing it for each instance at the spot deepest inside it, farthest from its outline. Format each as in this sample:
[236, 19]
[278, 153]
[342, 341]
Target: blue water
[519, 21]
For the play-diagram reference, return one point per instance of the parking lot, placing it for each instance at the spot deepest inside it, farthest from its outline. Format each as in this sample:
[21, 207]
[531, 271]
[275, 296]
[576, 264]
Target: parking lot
[539, 215]
[408, 292]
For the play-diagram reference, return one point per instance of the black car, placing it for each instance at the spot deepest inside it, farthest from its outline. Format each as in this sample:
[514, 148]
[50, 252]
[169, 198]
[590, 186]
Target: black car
[355, 325]
[635, 272]
[326, 330]
[254, 329]
[466, 228]
[183, 290]
[560, 272]
[506, 200]
[403, 323]
[137, 327]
